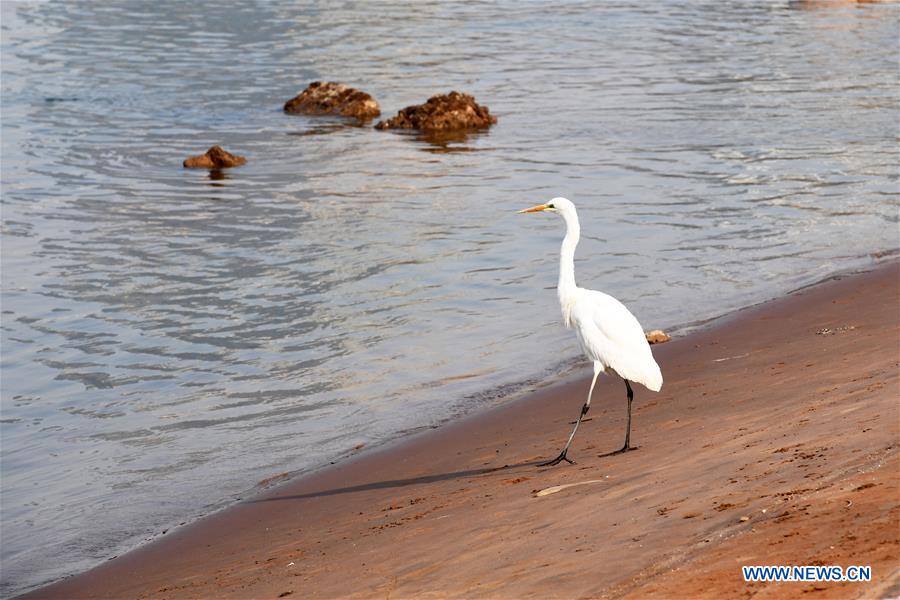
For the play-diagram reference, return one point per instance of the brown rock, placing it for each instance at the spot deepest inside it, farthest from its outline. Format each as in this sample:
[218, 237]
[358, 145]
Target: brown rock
[330, 98]
[215, 158]
[657, 336]
[442, 112]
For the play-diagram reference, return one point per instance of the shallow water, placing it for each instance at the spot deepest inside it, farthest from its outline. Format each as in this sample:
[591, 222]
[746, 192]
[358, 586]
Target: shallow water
[170, 337]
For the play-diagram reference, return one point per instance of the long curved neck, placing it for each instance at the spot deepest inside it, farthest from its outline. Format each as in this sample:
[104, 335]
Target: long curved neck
[566, 286]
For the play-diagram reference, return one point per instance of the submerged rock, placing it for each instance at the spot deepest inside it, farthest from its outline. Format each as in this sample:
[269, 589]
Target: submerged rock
[330, 98]
[215, 158]
[442, 112]
[657, 336]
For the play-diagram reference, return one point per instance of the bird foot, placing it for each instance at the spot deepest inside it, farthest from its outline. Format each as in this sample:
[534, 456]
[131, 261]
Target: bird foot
[621, 450]
[557, 460]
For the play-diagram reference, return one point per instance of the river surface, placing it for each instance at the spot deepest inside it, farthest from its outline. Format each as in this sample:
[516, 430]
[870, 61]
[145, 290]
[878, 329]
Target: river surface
[171, 337]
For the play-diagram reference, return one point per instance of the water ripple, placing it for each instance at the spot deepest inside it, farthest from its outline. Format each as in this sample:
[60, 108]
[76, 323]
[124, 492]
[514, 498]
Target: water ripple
[171, 336]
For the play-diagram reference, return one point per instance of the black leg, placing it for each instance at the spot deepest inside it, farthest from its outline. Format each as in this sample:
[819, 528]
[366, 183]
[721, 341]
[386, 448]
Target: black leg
[562, 455]
[627, 445]
[587, 405]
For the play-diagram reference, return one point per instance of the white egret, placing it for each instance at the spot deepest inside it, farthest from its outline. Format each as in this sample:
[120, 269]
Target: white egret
[609, 334]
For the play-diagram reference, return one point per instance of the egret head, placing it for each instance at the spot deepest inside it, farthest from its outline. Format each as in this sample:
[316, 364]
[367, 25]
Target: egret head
[561, 206]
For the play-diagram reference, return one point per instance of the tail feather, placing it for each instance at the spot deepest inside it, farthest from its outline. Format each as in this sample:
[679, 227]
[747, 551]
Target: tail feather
[650, 377]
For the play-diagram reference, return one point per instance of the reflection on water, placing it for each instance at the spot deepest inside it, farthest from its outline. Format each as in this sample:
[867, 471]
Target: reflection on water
[326, 125]
[436, 141]
[443, 142]
[172, 336]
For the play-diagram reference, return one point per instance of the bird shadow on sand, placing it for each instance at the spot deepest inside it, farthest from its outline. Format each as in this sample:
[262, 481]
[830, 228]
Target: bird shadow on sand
[393, 483]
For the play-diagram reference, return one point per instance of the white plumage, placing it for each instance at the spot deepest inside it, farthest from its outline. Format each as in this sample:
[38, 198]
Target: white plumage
[609, 334]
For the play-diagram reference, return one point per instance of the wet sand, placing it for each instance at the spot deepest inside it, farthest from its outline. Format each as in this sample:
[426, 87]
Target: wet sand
[775, 440]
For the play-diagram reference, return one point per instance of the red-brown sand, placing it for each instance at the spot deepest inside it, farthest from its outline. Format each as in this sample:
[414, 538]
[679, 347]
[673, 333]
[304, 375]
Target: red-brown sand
[775, 440]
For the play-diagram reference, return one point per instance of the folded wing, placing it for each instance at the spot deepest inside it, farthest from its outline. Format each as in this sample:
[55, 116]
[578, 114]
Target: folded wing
[609, 333]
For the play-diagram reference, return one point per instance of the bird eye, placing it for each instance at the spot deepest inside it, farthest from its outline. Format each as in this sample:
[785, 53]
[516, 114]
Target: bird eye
[550, 206]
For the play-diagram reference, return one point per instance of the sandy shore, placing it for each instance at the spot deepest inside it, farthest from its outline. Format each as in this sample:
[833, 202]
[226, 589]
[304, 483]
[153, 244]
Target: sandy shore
[775, 440]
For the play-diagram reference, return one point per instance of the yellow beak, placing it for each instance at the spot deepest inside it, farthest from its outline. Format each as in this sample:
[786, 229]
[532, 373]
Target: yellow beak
[537, 208]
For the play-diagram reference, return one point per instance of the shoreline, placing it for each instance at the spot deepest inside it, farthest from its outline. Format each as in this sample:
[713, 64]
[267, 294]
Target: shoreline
[565, 370]
[492, 452]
